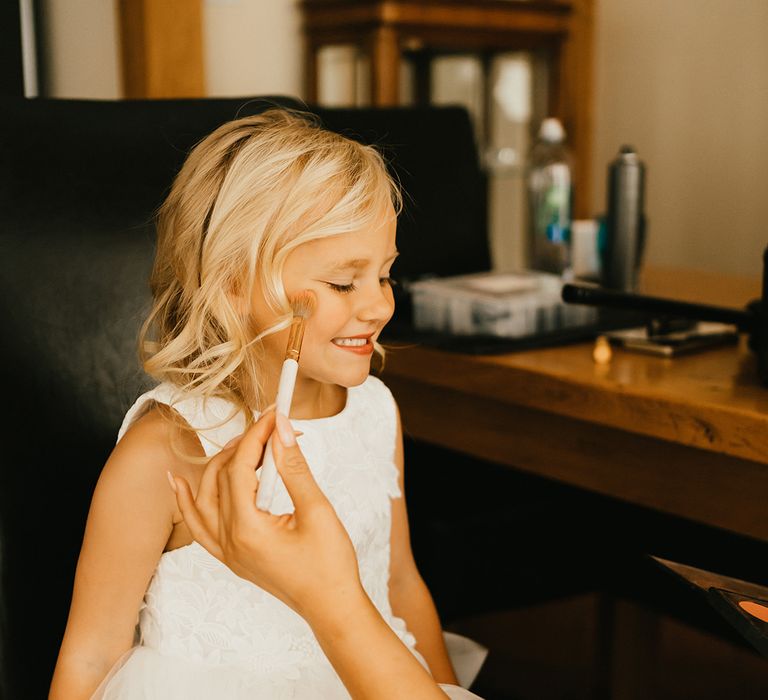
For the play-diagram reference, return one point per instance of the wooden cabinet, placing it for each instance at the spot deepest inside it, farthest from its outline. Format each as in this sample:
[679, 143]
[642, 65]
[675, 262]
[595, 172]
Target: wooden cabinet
[418, 30]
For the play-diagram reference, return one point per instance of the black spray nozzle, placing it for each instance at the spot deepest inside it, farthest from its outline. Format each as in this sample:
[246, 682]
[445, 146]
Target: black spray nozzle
[752, 320]
[745, 320]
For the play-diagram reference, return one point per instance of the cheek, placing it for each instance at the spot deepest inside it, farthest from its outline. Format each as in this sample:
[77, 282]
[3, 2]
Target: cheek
[330, 315]
[391, 300]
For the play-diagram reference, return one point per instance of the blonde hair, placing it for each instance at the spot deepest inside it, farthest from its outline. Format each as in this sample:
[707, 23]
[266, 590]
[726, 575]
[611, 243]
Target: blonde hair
[247, 195]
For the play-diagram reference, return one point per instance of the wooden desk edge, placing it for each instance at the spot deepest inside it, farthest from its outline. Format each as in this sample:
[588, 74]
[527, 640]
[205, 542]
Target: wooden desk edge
[718, 428]
[703, 486]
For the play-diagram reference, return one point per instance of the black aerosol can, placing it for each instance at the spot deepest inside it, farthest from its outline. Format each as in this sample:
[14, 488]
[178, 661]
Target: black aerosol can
[625, 221]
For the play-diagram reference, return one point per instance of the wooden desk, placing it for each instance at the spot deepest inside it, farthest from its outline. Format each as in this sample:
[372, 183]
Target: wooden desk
[687, 436]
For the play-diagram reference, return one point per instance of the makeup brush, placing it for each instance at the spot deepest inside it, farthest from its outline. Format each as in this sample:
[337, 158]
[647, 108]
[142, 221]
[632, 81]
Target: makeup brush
[303, 304]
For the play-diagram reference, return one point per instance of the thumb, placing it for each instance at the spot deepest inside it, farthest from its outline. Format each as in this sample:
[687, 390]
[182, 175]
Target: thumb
[294, 470]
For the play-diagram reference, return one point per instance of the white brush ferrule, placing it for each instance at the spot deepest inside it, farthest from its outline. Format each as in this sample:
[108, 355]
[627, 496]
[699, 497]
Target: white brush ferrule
[268, 476]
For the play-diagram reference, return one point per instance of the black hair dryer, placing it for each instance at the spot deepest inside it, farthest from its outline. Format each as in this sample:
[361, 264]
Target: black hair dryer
[752, 320]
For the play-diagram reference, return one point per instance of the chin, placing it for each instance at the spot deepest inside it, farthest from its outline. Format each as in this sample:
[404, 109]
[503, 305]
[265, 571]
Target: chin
[347, 376]
[350, 378]
[354, 382]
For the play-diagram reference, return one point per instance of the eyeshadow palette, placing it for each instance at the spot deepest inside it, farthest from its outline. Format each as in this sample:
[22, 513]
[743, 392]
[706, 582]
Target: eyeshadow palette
[742, 603]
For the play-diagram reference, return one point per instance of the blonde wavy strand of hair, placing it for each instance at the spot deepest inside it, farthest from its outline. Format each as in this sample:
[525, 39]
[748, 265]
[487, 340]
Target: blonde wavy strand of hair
[247, 195]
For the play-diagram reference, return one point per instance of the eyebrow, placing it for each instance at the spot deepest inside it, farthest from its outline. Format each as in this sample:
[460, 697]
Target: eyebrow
[356, 263]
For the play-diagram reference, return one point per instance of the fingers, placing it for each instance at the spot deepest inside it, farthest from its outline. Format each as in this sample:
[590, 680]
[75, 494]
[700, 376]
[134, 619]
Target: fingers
[192, 517]
[206, 513]
[207, 500]
[240, 477]
[293, 468]
[250, 448]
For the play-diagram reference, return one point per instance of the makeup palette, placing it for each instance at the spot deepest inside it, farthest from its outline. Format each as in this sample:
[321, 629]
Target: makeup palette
[743, 604]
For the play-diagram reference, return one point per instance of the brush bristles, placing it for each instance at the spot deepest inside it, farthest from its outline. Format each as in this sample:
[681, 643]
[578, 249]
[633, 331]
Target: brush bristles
[303, 304]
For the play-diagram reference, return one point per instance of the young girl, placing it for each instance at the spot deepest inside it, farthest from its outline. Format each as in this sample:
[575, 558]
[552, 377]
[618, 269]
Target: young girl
[263, 209]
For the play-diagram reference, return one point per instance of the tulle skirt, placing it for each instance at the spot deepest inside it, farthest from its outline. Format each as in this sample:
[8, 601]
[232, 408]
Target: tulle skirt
[147, 674]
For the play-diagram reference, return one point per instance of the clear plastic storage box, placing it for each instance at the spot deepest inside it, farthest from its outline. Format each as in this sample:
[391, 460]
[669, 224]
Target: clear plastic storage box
[502, 304]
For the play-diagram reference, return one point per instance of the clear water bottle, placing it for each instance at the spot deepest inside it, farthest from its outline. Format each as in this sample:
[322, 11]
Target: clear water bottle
[550, 196]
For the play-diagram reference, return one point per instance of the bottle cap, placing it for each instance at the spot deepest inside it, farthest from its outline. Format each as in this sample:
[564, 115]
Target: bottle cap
[551, 130]
[627, 154]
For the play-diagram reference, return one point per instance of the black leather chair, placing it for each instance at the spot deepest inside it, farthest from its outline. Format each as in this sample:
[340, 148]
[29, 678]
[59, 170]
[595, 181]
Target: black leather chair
[79, 182]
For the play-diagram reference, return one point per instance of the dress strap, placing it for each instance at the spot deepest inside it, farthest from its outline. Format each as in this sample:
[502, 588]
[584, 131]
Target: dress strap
[215, 420]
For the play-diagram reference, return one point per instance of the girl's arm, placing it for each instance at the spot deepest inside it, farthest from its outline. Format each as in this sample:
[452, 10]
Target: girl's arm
[408, 594]
[131, 517]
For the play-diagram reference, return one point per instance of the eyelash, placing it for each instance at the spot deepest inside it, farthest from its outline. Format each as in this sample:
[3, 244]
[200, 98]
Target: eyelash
[348, 288]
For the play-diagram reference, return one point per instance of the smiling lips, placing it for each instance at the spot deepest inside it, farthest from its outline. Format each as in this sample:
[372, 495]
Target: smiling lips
[359, 344]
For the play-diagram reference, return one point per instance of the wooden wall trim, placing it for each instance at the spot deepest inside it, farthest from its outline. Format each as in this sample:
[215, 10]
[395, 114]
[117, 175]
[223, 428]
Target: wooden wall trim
[161, 48]
[577, 100]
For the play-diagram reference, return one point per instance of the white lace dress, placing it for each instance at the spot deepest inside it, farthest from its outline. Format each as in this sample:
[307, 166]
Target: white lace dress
[206, 634]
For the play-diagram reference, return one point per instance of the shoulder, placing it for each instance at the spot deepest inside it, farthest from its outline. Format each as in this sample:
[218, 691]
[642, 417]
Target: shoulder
[214, 419]
[160, 433]
[164, 394]
[156, 442]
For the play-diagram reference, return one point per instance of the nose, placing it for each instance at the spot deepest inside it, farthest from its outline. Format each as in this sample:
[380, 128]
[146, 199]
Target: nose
[377, 304]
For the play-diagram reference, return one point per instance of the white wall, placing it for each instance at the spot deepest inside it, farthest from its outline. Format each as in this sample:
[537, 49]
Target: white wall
[81, 48]
[252, 47]
[684, 81]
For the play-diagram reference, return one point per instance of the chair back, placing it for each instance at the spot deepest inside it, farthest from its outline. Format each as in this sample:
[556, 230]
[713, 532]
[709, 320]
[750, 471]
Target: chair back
[79, 184]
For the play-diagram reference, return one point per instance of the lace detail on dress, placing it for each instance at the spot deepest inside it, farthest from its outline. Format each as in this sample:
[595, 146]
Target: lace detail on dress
[215, 420]
[197, 610]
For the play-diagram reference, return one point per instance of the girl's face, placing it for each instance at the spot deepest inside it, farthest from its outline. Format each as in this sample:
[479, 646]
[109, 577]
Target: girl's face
[349, 275]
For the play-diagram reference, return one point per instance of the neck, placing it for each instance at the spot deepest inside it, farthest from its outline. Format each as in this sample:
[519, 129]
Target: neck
[311, 398]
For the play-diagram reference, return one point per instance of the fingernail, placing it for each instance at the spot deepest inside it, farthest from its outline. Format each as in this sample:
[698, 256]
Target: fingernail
[172, 482]
[285, 431]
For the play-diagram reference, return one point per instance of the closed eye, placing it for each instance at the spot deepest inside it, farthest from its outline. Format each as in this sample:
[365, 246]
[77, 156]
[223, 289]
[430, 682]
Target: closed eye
[342, 288]
[351, 287]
